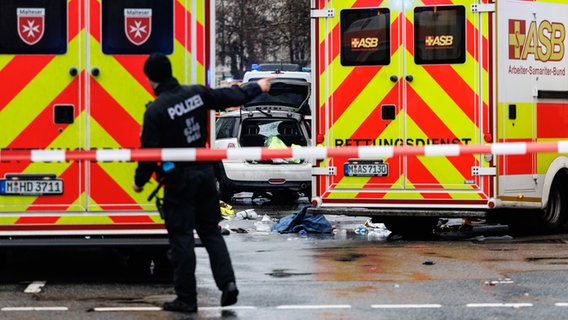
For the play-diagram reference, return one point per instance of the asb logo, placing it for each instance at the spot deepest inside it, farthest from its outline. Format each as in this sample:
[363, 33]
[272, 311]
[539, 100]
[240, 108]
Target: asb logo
[544, 41]
[31, 22]
[439, 41]
[364, 43]
[138, 25]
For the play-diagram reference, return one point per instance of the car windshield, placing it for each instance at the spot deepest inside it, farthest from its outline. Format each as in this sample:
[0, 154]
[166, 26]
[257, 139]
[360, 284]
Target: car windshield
[284, 94]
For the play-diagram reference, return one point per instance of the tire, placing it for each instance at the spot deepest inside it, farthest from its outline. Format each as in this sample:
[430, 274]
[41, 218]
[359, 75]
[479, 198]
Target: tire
[555, 214]
[411, 227]
[224, 189]
[284, 196]
[551, 220]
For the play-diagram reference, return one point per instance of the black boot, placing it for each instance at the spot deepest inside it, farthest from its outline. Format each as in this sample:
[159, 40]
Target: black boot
[230, 293]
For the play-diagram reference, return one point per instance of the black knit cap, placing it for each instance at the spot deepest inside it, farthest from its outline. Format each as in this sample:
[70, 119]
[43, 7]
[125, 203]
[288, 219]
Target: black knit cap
[158, 67]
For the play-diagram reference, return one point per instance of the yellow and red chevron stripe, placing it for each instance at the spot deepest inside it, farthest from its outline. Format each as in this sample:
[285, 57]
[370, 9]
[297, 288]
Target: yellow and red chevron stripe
[443, 101]
[108, 110]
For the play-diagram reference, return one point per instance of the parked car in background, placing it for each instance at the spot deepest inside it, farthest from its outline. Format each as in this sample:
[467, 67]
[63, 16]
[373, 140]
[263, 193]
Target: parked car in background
[273, 119]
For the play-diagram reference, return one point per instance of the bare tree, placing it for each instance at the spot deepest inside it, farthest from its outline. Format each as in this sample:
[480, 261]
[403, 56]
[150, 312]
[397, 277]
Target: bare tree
[257, 31]
[294, 25]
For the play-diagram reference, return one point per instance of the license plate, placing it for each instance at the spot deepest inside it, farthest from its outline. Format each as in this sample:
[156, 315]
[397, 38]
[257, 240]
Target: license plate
[366, 169]
[31, 187]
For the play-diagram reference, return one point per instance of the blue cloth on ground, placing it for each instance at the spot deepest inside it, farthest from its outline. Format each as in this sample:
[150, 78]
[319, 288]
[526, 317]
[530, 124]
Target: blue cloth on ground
[315, 223]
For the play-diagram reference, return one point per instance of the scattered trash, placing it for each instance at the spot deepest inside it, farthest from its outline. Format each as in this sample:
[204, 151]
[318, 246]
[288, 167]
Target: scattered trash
[224, 230]
[428, 263]
[227, 211]
[372, 230]
[264, 225]
[361, 230]
[454, 224]
[248, 214]
[369, 224]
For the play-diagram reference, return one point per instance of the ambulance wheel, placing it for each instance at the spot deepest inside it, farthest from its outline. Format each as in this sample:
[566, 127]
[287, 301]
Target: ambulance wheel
[553, 219]
[411, 227]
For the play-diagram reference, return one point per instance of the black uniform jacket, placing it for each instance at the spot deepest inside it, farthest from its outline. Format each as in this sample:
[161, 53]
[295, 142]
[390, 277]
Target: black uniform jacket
[178, 118]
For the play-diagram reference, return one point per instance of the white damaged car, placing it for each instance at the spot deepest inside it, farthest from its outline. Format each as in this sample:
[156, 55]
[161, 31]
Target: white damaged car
[275, 120]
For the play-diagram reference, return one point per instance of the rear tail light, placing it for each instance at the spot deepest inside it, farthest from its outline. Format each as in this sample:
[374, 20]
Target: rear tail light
[319, 138]
[276, 181]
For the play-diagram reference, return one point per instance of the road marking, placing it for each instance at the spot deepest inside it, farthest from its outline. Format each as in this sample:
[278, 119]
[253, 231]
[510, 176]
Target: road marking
[34, 309]
[330, 306]
[405, 306]
[561, 304]
[107, 309]
[498, 305]
[35, 287]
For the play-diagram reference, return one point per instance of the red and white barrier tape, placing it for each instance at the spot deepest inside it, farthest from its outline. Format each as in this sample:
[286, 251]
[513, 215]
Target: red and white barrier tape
[257, 153]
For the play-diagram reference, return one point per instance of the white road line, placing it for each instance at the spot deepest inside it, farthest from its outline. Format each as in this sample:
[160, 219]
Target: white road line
[498, 305]
[404, 306]
[34, 309]
[331, 306]
[561, 304]
[35, 287]
[107, 309]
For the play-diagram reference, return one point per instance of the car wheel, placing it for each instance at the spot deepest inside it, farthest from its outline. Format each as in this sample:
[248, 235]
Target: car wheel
[284, 196]
[224, 189]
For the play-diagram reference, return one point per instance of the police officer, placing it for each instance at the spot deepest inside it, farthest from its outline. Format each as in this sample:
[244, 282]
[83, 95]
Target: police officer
[178, 119]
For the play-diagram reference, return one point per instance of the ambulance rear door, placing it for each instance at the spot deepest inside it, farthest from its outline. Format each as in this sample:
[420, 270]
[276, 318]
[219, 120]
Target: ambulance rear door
[41, 105]
[121, 35]
[397, 73]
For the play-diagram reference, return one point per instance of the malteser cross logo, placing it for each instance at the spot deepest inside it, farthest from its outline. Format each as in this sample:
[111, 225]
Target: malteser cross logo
[31, 23]
[137, 25]
[544, 41]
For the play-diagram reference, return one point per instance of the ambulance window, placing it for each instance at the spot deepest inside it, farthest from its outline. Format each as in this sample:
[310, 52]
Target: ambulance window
[137, 26]
[439, 35]
[33, 26]
[365, 37]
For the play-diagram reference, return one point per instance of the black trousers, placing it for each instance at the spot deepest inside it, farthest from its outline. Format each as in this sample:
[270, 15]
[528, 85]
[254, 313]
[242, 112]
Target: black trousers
[191, 202]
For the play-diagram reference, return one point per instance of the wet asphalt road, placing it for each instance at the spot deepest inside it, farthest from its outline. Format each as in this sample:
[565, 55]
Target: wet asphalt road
[465, 273]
